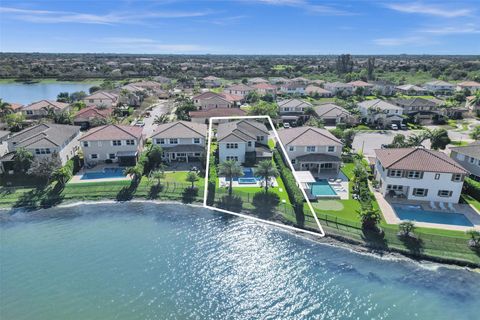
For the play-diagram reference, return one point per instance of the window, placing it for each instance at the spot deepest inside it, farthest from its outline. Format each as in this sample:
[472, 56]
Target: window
[327, 165]
[130, 142]
[414, 175]
[395, 173]
[196, 140]
[260, 138]
[294, 161]
[311, 148]
[232, 145]
[394, 187]
[160, 141]
[91, 100]
[234, 158]
[85, 143]
[445, 193]
[291, 148]
[249, 143]
[111, 156]
[420, 192]
[457, 177]
[197, 154]
[437, 176]
[471, 160]
[30, 112]
[93, 156]
[117, 142]
[173, 141]
[42, 151]
[331, 149]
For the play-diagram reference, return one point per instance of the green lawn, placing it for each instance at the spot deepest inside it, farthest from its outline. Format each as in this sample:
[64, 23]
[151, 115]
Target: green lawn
[459, 143]
[470, 200]
[180, 177]
[271, 144]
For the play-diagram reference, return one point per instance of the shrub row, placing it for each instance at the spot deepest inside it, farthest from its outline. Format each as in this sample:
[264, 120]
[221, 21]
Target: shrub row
[212, 179]
[472, 188]
[293, 191]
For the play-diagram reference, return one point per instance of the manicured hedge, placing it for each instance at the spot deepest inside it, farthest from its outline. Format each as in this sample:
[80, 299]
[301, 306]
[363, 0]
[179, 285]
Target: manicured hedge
[294, 193]
[212, 179]
[472, 188]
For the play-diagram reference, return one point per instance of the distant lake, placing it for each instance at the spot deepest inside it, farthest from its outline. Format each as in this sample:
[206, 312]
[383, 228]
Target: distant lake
[27, 93]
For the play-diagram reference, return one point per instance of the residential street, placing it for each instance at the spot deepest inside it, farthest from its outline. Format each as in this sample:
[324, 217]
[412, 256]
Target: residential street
[369, 141]
[160, 108]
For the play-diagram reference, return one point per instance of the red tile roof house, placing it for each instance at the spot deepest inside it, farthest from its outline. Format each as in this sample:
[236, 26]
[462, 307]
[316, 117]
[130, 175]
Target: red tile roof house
[101, 99]
[211, 100]
[365, 86]
[265, 88]
[112, 143]
[16, 107]
[419, 174]
[472, 86]
[181, 140]
[84, 117]
[40, 108]
[203, 116]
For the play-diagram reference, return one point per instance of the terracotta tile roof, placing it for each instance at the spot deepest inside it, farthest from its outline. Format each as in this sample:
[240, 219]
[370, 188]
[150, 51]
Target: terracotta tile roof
[217, 112]
[360, 83]
[112, 132]
[92, 112]
[378, 104]
[307, 136]
[418, 159]
[266, 86]
[316, 89]
[211, 95]
[180, 129]
[469, 84]
[15, 106]
[102, 95]
[46, 104]
[239, 87]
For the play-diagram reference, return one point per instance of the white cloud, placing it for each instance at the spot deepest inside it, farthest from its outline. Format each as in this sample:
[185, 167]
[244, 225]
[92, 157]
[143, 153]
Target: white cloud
[425, 9]
[446, 30]
[44, 16]
[310, 7]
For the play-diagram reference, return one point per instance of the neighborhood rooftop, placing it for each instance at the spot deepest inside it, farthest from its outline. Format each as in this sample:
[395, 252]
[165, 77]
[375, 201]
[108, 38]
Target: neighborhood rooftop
[43, 135]
[112, 132]
[306, 136]
[180, 129]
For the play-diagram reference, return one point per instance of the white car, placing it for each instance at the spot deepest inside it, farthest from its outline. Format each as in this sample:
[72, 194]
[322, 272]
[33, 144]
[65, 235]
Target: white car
[393, 126]
[286, 125]
[140, 123]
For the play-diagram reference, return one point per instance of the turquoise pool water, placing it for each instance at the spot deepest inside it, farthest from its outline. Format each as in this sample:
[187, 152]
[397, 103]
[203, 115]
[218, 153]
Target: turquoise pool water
[105, 173]
[147, 261]
[321, 188]
[248, 177]
[416, 213]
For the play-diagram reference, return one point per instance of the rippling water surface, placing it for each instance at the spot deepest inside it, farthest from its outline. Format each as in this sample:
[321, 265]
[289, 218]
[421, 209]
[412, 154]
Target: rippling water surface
[147, 261]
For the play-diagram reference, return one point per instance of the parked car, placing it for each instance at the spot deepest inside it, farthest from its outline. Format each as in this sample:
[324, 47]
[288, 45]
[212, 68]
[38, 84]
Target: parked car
[403, 126]
[393, 126]
[286, 125]
[140, 123]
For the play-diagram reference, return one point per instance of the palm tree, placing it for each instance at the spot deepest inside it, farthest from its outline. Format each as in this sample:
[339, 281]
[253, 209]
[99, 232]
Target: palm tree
[135, 172]
[439, 138]
[157, 175]
[415, 140]
[266, 169]
[5, 108]
[161, 119]
[192, 177]
[230, 169]
[50, 111]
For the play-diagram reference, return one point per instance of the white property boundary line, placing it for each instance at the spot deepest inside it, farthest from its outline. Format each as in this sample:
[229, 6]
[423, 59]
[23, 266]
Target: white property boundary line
[210, 132]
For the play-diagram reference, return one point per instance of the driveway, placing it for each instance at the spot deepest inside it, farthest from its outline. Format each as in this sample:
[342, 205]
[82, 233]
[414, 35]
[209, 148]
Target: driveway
[160, 108]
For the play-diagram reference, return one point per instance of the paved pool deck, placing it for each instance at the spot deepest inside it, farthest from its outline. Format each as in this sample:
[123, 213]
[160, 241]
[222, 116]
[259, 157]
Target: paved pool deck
[391, 217]
[78, 177]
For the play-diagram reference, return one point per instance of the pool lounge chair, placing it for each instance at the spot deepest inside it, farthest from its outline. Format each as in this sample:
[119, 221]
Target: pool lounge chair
[450, 206]
[442, 206]
[339, 180]
[432, 205]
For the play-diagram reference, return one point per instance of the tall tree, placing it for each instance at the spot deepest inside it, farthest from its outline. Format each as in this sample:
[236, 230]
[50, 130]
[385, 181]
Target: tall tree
[192, 177]
[370, 68]
[267, 170]
[5, 109]
[344, 64]
[264, 108]
[22, 160]
[439, 139]
[157, 175]
[230, 169]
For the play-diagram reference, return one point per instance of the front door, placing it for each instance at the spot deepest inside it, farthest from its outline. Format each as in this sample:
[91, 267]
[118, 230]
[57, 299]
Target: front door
[173, 156]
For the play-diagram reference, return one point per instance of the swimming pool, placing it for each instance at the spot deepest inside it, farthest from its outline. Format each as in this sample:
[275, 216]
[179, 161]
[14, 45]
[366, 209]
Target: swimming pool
[106, 173]
[321, 188]
[416, 213]
[248, 177]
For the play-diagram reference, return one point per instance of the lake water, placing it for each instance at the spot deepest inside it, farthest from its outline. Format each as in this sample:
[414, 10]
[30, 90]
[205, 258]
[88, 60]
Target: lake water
[28, 93]
[148, 261]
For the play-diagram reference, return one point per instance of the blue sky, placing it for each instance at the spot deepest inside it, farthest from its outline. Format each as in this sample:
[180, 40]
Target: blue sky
[241, 26]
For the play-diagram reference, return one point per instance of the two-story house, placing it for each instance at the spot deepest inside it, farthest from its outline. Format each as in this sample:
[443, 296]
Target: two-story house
[181, 141]
[211, 100]
[383, 87]
[43, 140]
[42, 108]
[420, 110]
[380, 113]
[87, 116]
[439, 87]
[418, 174]
[314, 90]
[212, 82]
[101, 99]
[313, 149]
[265, 88]
[472, 86]
[469, 158]
[254, 81]
[243, 141]
[112, 143]
[291, 110]
[411, 90]
[361, 86]
[293, 88]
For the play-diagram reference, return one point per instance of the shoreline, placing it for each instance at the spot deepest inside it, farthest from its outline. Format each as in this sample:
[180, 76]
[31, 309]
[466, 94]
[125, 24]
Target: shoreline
[333, 240]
